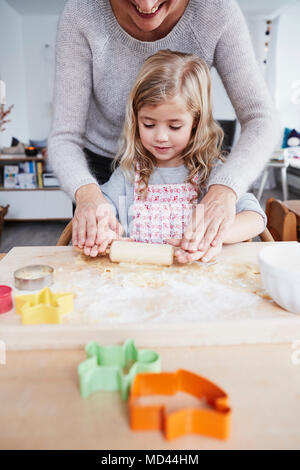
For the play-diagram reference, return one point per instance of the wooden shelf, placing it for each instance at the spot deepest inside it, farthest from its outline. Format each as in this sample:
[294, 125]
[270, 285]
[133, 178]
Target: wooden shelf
[4, 158]
[51, 203]
[20, 158]
[54, 188]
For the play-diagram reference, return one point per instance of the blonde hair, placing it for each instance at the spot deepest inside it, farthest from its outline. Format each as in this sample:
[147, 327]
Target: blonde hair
[163, 76]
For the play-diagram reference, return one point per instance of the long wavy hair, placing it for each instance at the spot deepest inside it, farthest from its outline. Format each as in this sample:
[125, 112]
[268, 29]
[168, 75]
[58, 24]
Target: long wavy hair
[163, 76]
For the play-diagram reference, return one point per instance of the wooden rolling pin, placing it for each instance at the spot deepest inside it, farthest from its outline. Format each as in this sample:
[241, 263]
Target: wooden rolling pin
[139, 253]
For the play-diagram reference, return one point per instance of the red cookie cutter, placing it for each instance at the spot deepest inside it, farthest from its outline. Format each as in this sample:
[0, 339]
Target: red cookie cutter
[213, 422]
[5, 299]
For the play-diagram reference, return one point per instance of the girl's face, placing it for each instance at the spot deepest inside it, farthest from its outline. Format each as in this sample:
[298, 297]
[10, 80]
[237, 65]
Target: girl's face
[165, 130]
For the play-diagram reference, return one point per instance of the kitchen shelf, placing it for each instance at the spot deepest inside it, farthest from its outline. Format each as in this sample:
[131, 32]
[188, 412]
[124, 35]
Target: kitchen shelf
[21, 159]
[18, 158]
[49, 203]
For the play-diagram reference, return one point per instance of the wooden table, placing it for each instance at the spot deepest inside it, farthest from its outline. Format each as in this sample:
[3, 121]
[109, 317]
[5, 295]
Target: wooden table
[41, 407]
[196, 315]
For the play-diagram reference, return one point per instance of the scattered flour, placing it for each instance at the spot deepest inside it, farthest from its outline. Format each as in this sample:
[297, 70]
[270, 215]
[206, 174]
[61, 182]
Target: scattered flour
[127, 293]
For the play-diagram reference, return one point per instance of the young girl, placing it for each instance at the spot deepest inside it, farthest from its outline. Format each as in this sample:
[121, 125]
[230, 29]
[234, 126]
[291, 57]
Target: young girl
[170, 146]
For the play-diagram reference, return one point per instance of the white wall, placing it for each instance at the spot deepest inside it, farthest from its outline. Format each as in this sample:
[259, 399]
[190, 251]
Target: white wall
[288, 67]
[286, 71]
[12, 72]
[27, 67]
[39, 31]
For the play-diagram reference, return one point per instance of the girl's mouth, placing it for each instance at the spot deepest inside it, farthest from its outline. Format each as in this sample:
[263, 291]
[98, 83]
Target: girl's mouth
[150, 14]
[161, 149]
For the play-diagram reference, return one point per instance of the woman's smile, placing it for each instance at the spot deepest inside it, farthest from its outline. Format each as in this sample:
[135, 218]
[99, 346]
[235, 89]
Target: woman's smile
[148, 20]
[148, 14]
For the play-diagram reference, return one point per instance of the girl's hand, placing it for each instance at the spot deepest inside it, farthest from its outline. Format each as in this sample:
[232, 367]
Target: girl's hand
[210, 221]
[184, 257]
[94, 224]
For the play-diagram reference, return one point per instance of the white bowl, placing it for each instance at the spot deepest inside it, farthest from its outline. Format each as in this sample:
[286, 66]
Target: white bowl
[280, 272]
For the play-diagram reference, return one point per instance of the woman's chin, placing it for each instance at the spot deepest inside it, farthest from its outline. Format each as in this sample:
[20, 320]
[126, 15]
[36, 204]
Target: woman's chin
[148, 26]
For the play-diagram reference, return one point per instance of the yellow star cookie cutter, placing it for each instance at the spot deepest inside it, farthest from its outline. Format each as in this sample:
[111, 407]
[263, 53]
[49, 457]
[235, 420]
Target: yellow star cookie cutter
[44, 306]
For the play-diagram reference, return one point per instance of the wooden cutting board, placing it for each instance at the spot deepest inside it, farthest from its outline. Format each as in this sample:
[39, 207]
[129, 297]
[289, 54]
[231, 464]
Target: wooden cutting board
[176, 306]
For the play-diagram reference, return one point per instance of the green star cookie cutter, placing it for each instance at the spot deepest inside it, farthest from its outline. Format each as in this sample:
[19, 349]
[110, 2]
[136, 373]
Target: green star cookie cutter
[114, 367]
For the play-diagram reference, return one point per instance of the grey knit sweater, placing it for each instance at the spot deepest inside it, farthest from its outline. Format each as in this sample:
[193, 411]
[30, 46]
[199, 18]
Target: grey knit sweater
[96, 66]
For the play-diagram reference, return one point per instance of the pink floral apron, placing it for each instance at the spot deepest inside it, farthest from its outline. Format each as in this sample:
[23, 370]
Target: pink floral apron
[164, 214]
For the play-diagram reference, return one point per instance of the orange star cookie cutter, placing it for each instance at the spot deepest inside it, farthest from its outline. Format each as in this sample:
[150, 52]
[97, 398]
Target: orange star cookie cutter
[44, 306]
[212, 422]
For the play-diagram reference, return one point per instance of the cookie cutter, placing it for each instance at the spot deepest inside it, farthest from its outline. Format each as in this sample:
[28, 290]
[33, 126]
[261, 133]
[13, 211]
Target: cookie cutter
[5, 299]
[213, 422]
[114, 367]
[44, 306]
[34, 277]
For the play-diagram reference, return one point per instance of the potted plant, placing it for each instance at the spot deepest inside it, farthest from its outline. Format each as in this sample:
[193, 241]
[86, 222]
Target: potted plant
[3, 116]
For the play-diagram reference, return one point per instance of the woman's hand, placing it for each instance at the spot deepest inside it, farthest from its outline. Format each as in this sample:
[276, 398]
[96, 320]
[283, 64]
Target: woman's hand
[94, 223]
[210, 222]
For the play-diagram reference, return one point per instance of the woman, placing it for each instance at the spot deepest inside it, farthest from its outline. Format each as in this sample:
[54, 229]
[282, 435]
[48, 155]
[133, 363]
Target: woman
[100, 48]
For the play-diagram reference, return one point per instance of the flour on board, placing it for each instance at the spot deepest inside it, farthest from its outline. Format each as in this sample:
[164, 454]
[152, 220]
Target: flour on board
[111, 293]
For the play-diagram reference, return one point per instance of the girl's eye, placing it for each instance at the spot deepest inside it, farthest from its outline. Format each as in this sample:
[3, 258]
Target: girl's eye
[175, 128]
[148, 125]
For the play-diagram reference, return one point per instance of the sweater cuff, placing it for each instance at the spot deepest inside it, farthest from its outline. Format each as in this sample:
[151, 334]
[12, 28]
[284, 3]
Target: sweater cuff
[71, 190]
[226, 180]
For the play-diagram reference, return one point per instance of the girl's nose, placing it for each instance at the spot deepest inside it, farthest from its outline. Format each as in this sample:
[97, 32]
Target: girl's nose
[161, 135]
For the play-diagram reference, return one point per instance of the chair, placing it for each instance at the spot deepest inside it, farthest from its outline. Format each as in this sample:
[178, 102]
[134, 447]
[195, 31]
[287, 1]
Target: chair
[282, 223]
[66, 236]
[283, 164]
[294, 206]
[266, 236]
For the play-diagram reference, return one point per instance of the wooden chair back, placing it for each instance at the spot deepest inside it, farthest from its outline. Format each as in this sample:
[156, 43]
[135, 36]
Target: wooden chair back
[66, 235]
[282, 223]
